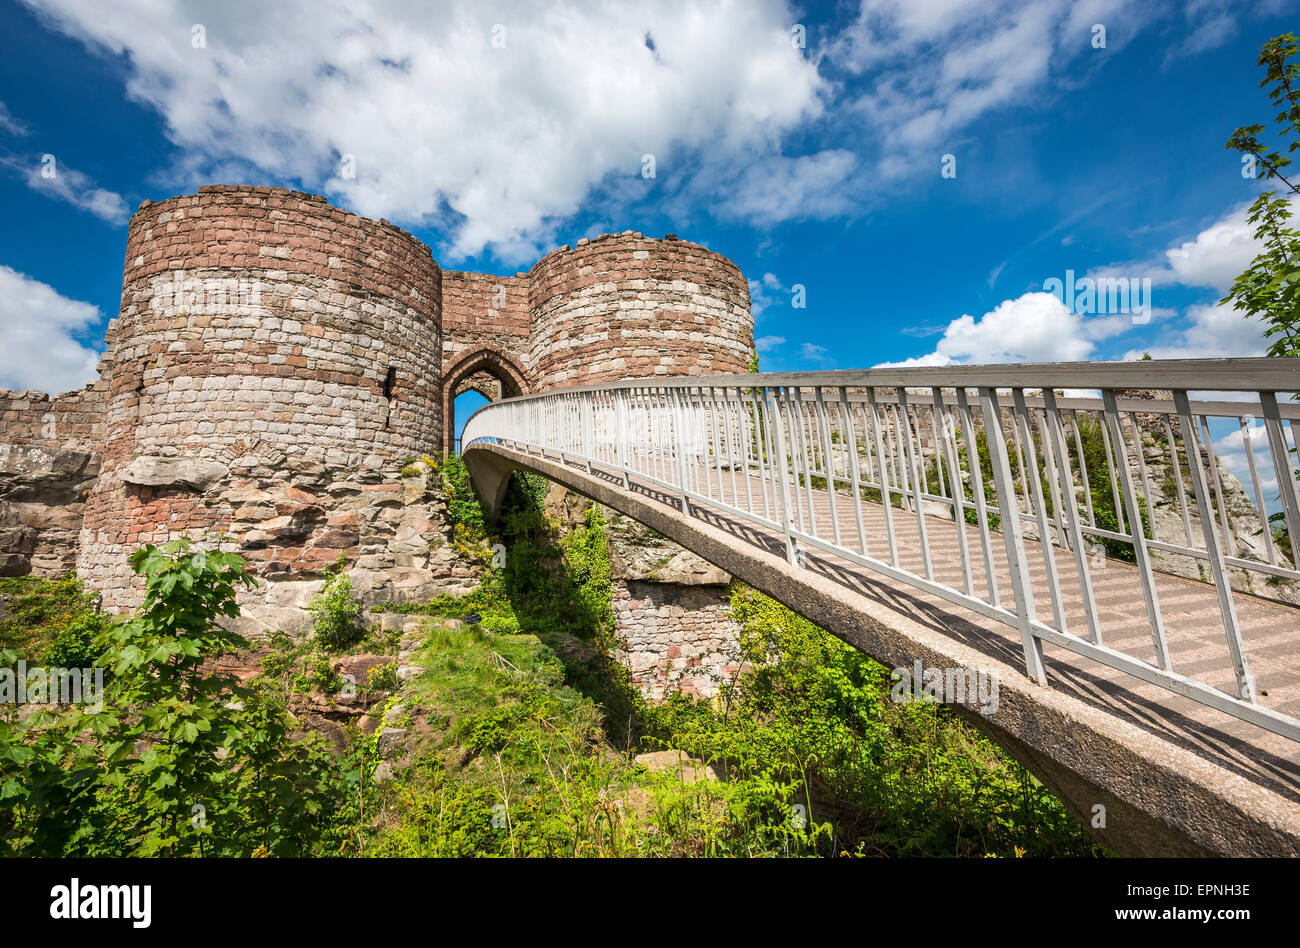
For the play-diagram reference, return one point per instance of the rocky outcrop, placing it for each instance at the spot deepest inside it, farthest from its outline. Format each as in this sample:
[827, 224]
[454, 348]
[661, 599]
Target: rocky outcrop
[42, 501]
[392, 528]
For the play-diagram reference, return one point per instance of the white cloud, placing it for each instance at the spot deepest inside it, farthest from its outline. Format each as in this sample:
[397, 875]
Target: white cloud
[11, 125]
[1217, 255]
[1214, 23]
[764, 293]
[979, 55]
[816, 353]
[1213, 258]
[778, 188]
[1035, 327]
[768, 343]
[37, 348]
[56, 180]
[1211, 332]
[497, 145]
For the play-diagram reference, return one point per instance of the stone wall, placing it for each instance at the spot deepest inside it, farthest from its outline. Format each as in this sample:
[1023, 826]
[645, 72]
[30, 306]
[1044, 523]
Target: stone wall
[261, 330]
[676, 629]
[626, 306]
[484, 312]
[277, 361]
[48, 463]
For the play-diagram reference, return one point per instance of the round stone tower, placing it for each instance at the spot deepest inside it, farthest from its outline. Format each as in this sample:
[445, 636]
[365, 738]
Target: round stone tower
[627, 306]
[261, 330]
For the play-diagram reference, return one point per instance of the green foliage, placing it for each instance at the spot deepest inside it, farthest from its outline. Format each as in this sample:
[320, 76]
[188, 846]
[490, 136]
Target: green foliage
[812, 726]
[1270, 286]
[515, 720]
[50, 621]
[898, 779]
[180, 759]
[335, 612]
[462, 504]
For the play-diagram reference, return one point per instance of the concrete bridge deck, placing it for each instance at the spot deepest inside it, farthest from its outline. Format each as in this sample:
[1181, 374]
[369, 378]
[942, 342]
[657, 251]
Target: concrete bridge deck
[1175, 776]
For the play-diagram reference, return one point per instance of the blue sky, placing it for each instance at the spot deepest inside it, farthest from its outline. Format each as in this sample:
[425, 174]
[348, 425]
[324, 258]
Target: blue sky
[495, 131]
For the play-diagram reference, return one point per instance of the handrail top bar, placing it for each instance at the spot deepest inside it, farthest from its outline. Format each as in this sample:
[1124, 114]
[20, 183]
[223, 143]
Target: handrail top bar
[1255, 374]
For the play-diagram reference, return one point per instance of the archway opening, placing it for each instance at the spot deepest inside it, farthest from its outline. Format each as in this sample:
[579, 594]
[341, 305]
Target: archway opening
[476, 379]
[464, 405]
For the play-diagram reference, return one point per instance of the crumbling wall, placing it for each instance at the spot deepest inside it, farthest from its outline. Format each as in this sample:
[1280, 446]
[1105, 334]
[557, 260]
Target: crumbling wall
[48, 463]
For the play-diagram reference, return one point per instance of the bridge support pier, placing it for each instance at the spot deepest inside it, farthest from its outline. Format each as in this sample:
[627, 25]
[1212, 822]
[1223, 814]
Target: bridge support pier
[490, 476]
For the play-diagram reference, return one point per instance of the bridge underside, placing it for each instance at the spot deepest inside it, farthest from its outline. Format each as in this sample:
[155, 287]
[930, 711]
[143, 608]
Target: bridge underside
[1174, 777]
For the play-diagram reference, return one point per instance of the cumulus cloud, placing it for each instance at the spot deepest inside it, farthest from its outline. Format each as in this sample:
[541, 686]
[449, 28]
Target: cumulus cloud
[37, 327]
[1211, 332]
[1217, 255]
[768, 343]
[1212, 259]
[1035, 327]
[493, 122]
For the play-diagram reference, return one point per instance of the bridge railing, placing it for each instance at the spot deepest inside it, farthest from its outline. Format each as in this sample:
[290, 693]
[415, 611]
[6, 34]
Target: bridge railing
[1003, 489]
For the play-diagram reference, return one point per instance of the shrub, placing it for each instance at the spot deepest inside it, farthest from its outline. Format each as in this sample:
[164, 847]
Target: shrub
[335, 612]
[74, 645]
[462, 505]
[180, 758]
[37, 613]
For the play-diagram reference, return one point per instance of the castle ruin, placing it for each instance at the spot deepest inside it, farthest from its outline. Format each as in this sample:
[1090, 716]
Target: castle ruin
[275, 359]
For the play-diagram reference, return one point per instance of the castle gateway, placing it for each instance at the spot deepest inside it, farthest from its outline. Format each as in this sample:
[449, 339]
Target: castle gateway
[274, 356]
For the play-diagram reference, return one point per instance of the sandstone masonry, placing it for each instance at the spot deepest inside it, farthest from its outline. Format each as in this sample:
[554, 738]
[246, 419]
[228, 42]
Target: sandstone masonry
[276, 360]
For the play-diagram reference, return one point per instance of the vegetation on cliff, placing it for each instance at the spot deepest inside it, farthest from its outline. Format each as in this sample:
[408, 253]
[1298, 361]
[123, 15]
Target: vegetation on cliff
[519, 734]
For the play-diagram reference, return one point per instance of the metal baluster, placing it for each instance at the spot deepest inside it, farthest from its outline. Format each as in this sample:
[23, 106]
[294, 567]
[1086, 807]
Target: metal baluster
[829, 459]
[1229, 541]
[977, 488]
[1178, 480]
[1259, 495]
[1020, 417]
[916, 484]
[1083, 469]
[1120, 476]
[1227, 608]
[1282, 469]
[1055, 430]
[778, 425]
[852, 440]
[955, 482]
[1021, 584]
[885, 496]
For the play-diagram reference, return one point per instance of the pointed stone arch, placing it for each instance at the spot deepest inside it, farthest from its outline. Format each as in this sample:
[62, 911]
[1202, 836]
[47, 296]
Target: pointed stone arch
[460, 378]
